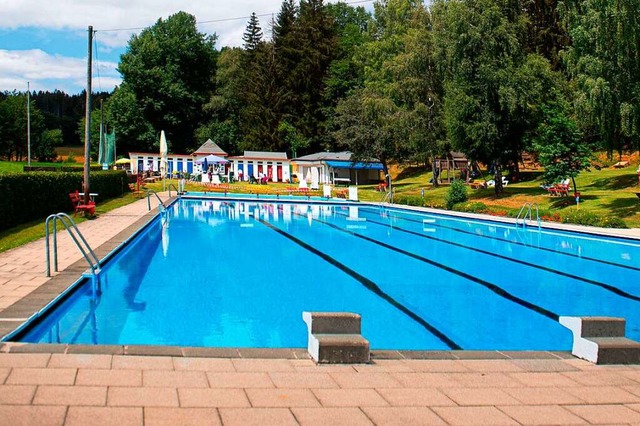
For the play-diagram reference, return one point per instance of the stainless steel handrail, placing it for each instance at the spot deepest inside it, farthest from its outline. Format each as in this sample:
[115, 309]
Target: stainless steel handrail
[77, 238]
[174, 187]
[151, 191]
[527, 209]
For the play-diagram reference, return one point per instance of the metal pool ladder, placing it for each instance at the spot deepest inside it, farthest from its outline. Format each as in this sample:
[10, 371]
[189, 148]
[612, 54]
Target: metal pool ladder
[526, 213]
[161, 205]
[76, 236]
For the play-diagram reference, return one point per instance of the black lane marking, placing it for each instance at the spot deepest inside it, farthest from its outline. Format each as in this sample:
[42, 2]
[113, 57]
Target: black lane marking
[370, 285]
[493, 287]
[491, 237]
[608, 287]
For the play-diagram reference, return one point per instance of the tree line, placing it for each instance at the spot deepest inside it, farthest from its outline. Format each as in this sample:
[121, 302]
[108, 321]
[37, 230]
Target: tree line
[489, 78]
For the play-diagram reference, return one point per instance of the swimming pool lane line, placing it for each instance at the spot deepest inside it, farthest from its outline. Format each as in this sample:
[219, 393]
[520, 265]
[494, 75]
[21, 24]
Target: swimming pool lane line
[493, 287]
[604, 286]
[370, 285]
[496, 238]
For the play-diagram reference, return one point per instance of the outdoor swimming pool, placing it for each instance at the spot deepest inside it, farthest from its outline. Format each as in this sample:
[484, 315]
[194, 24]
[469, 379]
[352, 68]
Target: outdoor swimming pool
[236, 273]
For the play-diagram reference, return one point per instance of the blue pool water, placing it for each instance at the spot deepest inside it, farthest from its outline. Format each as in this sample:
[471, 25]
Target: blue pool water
[236, 273]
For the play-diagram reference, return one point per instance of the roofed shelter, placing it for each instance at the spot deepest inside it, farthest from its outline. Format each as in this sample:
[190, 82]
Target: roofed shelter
[337, 168]
[274, 165]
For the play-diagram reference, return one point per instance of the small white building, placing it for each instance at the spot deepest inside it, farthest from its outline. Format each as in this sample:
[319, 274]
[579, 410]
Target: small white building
[275, 165]
[337, 168]
[183, 163]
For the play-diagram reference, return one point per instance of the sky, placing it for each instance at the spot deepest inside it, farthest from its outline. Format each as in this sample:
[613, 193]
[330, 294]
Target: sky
[44, 43]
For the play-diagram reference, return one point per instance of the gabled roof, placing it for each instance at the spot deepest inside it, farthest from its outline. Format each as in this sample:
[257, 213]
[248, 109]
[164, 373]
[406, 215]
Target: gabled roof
[324, 156]
[210, 147]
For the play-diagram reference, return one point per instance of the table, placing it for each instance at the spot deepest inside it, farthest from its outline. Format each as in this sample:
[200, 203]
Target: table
[92, 195]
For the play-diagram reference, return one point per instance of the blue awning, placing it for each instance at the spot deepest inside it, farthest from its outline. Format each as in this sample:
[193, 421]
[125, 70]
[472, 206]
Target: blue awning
[356, 165]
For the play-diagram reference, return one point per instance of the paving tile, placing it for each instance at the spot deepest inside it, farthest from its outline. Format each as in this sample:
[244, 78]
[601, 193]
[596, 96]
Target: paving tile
[473, 416]
[635, 407]
[4, 373]
[384, 366]
[203, 364]
[262, 365]
[24, 360]
[632, 389]
[543, 396]
[350, 398]
[486, 380]
[600, 378]
[330, 416]
[426, 380]
[546, 365]
[79, 361]
[239, 380]
[142, 397]
[605, 414]
[490, 365]
[323, 368]
[366, 380]
[142, 362]
[155, 416]
[544, 379]
[41, 376]
[407, 397]
[257, 416]
[194, 397]
[176, 379]
[104, 416]
[90, 377]
[402, 416]
[603, 394]
[26, 415]
[436, 366]
[70, 395]
[303, 380]
[479, 396]
[16, 394]
[282, 398]
[542, 415]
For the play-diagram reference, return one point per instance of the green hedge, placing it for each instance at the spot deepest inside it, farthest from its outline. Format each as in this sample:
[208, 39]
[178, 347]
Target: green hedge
[31, 196]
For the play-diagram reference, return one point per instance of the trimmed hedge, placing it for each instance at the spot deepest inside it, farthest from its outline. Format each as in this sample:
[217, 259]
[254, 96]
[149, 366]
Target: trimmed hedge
[30, 196]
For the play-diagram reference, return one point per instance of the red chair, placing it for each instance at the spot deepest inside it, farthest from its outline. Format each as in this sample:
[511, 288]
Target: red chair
[79, 206]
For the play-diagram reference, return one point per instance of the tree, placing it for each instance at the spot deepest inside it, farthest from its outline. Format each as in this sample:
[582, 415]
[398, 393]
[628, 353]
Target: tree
[559, 144]
[604, 63]
[226, 104]
[252, 36]
[492, 88]
[13, 129]
[126, 114]
[170, 70]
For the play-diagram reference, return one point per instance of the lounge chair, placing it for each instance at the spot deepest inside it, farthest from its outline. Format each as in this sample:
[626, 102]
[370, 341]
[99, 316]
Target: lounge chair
[560, 189]
[491, 183]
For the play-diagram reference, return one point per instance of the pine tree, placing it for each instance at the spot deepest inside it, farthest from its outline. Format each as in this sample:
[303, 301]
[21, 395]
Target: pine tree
[253, 34]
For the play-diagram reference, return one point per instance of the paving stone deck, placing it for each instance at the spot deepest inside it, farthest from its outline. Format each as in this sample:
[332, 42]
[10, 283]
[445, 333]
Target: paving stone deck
[138, 385]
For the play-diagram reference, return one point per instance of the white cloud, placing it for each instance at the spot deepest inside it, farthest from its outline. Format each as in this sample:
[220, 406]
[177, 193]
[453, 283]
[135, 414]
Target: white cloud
[48, 72]
[124, 14]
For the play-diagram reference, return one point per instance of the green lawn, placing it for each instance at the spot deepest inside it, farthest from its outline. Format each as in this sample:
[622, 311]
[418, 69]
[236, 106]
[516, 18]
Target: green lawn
[608, 192]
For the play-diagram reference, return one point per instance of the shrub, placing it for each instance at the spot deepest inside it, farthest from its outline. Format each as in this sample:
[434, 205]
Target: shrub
[583, 217]
[35, 195]
[457, 194]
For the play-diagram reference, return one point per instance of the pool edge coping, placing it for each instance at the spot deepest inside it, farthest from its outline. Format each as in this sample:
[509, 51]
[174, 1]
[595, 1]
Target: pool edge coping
[64, 281]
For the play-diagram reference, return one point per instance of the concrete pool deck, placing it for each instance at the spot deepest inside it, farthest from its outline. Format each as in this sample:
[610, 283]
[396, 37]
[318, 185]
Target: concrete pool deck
[122, 385]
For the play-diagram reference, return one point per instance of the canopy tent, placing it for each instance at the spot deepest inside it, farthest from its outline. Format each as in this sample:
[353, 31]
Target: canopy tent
[211, 159]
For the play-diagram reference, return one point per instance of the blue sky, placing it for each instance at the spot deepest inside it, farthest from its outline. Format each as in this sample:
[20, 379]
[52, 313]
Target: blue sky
[45, 43]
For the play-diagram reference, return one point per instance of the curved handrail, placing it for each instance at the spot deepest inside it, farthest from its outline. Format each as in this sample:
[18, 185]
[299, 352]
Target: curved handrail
[527, 209]
[151, 191]
[174, 187]
[77, 238]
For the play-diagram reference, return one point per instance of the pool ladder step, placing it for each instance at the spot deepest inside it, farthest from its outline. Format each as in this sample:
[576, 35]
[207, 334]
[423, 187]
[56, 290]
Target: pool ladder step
[602, 340]
[334, 338]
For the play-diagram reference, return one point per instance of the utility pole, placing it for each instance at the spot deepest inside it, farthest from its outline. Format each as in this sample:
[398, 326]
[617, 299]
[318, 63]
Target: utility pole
[28, 125]
[87, 122]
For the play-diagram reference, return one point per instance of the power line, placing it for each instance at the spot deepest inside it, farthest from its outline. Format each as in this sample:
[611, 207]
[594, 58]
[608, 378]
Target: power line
[224, 19]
